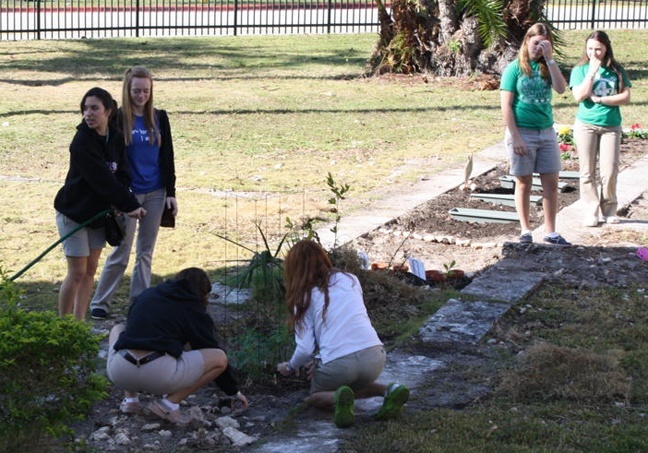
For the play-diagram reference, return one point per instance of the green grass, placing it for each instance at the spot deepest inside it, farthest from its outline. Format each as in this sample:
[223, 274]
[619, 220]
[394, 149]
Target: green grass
[583, 389]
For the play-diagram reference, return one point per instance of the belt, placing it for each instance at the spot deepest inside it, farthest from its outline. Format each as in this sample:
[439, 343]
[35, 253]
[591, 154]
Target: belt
[143, 361]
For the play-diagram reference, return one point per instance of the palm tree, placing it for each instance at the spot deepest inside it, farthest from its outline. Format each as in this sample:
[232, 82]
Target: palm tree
[452, 37]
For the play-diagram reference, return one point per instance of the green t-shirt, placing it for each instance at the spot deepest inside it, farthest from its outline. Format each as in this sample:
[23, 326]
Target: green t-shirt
[532, 96]
[606, 83]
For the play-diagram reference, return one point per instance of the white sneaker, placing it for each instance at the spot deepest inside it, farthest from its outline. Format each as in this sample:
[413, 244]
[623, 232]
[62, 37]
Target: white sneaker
[612, 219]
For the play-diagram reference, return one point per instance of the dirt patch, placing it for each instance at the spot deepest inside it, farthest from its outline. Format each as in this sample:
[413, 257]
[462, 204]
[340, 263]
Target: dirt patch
[430, 233]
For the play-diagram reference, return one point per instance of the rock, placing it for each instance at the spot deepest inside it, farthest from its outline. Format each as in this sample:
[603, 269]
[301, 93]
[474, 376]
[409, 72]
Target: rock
[238, 438]
[122, 439]
[227, 422]
[151, 427]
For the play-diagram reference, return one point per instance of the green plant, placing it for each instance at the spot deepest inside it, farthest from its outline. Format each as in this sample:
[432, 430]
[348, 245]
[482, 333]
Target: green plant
[47, 373]
[256, 353]
[565, 137]
[449, 266]
[636, 131]
[338, 196]
[264, 271]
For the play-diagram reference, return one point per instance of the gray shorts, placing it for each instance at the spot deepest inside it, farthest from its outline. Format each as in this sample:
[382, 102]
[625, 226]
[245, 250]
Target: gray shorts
[160, 377]
[355, 370]
[81, 242]
[542, 156]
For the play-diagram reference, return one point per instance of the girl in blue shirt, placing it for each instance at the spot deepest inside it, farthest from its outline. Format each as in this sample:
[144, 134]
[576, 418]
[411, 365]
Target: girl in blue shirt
[149, 149]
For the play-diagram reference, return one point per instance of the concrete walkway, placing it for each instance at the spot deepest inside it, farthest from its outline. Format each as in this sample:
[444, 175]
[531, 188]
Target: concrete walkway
[460, 322]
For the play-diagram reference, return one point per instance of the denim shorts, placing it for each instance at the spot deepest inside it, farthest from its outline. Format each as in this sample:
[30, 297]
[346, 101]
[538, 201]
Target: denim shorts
[82, 241]
[356, 370]
[542, 156]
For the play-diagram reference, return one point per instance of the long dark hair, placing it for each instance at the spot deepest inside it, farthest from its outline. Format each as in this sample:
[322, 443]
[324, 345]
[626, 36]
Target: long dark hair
[608, 60]
[106, 99]
[307, 266]
[198, 282]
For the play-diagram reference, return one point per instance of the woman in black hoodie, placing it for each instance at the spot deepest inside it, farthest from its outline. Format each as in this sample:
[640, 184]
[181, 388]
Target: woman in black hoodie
[168, 347]
[97, 180]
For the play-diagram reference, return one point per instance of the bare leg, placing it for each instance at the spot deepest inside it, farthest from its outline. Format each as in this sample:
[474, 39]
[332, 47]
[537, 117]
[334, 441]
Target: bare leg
[373, 389]
[549, 200]
[322, 400]
[76, 270]
[85, 285]
[523, 200]
[326, 400]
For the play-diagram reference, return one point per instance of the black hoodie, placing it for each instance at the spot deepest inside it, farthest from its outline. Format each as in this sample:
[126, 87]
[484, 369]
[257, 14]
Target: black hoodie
[165, 318]
[97, 178]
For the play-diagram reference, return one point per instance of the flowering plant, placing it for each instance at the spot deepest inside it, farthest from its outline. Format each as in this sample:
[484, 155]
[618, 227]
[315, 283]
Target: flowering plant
[636, 131]
[565, 141]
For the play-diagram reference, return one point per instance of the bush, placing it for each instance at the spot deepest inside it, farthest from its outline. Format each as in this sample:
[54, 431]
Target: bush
[47, 377]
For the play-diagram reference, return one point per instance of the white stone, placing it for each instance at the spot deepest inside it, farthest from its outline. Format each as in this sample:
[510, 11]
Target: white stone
[238, 438]
[151, 427]
[122, 439]
[227, 422]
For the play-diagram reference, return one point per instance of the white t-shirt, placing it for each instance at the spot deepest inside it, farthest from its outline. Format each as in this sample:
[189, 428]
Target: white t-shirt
[345, 330]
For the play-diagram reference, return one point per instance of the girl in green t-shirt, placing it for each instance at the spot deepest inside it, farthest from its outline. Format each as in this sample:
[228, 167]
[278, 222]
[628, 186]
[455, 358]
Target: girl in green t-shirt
[600, 85]
[531, 145]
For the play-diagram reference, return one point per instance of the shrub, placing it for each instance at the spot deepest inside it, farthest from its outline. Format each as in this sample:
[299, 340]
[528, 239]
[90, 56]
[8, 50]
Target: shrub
[47, 377]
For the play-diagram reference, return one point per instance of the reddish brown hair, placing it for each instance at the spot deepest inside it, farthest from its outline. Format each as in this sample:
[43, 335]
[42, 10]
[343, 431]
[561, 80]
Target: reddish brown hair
[307, 266]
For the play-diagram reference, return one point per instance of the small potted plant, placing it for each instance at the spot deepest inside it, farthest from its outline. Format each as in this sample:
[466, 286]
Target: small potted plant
[434, 276]
[451, 273]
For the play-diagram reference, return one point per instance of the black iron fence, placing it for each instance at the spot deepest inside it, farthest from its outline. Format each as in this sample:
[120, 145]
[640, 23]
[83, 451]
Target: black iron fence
[65, 19]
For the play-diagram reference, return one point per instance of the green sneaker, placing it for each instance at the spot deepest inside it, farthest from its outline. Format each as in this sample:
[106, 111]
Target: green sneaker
[344, 410]
[397, 396]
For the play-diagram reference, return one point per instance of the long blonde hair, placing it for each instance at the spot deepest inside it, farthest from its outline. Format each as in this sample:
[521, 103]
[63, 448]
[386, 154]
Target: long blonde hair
[128, 117]
[538, 29]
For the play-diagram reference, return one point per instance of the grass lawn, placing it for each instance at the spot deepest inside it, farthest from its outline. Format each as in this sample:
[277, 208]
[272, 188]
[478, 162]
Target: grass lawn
[258, 123]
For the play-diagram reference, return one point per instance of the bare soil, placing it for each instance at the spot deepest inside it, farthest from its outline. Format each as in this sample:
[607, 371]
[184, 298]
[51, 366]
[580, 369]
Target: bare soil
[431, 234]
[458, 385]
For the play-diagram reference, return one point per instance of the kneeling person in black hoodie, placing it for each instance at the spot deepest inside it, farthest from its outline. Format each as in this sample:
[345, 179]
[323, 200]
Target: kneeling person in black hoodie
[168, 347]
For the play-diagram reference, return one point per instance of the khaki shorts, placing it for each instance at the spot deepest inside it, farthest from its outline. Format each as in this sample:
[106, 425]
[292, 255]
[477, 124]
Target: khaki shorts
[542, 156]
[81, 242]
[161, 376]
[356, 370]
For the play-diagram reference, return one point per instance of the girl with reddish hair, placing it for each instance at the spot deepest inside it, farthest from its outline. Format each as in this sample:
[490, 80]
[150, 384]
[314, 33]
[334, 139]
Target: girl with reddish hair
[336, 342]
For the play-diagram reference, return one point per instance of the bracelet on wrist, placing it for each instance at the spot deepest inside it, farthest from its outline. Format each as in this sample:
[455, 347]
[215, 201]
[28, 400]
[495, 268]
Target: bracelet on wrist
[289, 367]
[551, 61]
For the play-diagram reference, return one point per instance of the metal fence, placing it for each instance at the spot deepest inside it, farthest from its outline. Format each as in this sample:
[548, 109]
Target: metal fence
[65, 19]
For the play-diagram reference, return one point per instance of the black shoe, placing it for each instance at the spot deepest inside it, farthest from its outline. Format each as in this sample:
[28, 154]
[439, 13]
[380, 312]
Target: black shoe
[558, 240]
[99, 313]
[526, 238]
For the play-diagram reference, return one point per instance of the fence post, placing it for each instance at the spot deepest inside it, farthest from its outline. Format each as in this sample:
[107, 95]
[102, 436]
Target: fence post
[137, 18]
[328, 18]
[236, 7]
[593, 17]
[38, 20]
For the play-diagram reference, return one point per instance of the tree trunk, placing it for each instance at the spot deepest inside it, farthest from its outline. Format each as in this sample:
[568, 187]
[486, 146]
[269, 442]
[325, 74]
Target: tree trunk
[433, 36]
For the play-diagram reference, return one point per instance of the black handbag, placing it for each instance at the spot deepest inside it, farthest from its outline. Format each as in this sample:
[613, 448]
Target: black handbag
[115, 230]
[168, 219]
